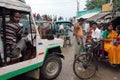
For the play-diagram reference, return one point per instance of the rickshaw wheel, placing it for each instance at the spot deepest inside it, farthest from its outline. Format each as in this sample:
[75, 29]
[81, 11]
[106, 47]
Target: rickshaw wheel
[84, 66]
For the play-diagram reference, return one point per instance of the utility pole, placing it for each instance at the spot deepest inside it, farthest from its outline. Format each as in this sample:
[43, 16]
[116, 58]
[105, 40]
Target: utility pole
[113, 12]
[77, 7]
[111, 3]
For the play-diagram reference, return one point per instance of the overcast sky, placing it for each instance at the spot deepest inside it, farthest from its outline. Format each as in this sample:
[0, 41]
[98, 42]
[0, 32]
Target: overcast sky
[65, 8]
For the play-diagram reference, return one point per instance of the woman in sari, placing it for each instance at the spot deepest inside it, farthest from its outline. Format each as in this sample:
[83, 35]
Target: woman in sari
[111, 45]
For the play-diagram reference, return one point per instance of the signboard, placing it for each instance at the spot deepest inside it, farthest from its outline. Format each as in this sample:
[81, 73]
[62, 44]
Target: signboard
[106, 7]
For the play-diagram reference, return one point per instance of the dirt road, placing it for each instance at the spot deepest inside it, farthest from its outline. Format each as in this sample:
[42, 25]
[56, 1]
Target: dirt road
[105, 72]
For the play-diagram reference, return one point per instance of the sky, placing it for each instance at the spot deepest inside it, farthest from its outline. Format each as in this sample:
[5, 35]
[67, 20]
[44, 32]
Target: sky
[64, 8]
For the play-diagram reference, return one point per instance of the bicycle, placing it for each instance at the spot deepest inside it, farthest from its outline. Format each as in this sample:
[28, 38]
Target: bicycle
[85, 64]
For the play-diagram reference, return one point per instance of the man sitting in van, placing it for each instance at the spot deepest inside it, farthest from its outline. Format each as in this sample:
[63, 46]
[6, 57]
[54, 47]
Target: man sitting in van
[13, 29]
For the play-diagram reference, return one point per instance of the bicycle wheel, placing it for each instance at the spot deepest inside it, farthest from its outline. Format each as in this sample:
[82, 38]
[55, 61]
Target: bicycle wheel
[84, 66]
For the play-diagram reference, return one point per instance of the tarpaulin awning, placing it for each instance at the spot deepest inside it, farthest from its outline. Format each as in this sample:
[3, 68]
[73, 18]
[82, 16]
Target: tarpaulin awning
[98, 16]
[81, 13]
[88, 15]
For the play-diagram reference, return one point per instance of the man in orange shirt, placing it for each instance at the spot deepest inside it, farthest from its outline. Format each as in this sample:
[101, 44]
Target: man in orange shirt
[78, 30]
[79, 40]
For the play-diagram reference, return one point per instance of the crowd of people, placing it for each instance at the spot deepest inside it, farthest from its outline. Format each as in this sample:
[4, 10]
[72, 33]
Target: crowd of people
[84, 31]
[108, 34]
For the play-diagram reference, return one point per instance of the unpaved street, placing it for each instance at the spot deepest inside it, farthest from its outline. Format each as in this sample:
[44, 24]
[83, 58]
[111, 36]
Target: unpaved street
[105, 72]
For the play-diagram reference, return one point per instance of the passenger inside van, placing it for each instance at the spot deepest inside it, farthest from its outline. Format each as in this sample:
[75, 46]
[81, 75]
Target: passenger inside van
[13, 32]
[45, 31]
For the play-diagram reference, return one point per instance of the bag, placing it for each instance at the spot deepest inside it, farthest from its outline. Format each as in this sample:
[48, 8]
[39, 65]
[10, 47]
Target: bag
[62, 32]
[50, 34]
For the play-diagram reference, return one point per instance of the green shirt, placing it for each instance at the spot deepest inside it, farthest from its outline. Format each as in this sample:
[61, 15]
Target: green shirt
[105, 34]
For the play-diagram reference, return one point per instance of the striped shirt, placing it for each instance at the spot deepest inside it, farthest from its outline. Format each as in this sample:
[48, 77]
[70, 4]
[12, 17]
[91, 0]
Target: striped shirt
[1, 50]
[12, 30]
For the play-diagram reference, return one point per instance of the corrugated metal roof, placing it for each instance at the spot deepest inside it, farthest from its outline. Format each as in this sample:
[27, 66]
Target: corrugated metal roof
[15, 4]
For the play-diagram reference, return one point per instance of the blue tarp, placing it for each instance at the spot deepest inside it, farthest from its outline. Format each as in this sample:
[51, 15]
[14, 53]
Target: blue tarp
[81, 13]
[63, 21]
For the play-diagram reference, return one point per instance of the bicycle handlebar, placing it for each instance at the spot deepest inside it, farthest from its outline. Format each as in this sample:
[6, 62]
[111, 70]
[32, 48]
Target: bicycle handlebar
[96, 42]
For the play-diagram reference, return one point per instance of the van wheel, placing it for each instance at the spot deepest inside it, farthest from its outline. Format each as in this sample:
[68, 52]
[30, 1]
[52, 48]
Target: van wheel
[51, 67]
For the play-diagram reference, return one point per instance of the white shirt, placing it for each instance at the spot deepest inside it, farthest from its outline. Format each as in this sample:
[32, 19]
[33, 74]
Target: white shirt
[86, 27]
[61, 27]
[96, 34]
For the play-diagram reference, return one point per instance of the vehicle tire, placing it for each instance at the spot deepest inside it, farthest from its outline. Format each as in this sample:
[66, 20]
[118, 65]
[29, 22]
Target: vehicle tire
[51, 67]
[84, 66]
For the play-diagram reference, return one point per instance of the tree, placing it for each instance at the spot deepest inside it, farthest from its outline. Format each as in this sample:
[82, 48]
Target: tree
[116, 3]
[92, 4]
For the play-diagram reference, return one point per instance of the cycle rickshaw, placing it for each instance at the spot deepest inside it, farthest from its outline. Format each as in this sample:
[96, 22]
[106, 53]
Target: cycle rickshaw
[65, 32]
[86, 64]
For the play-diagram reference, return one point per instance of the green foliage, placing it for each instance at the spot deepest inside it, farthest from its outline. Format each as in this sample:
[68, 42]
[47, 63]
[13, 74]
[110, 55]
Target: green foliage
[116, 3]
[92, 4]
